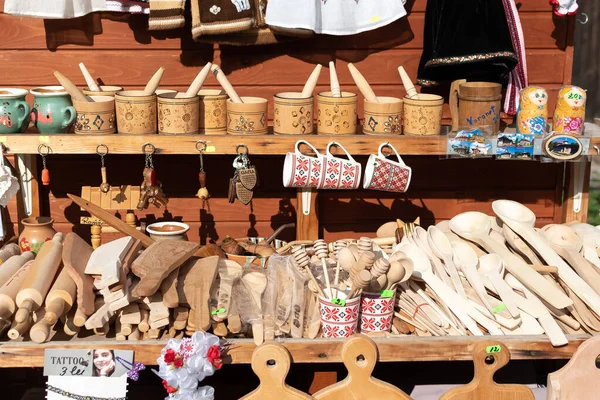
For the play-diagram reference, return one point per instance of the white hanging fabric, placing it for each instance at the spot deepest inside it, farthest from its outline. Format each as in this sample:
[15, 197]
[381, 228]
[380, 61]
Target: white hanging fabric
[334, 17]
[53, 9]
[9, 184]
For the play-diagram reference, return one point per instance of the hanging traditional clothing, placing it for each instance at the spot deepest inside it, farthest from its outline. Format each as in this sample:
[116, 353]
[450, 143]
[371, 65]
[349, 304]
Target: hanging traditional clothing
[166, 14]
[334, 17]
[53, 9]
[517, 80]
[128, 6]
[564, 7]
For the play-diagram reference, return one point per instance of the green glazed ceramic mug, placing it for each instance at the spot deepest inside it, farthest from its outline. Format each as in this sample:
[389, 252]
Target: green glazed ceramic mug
[14, 110]
[52, 111]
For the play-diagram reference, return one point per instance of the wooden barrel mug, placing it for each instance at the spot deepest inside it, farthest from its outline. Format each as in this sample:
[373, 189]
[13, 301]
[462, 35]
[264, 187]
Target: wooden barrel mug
[475, 104]
[293, 114]
[336, 115]
[384, 117]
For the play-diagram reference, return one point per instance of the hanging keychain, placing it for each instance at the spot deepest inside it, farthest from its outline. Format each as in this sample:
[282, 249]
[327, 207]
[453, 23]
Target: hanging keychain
[102, 150]
[245, 178]
[45, 171]
[151, 189]
[203, 191]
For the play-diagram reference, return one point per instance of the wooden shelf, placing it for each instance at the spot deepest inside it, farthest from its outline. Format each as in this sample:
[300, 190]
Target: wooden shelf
[29, 354]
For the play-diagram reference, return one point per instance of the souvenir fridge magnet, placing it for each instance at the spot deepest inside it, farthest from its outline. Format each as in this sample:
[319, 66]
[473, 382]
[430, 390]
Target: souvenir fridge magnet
[469, 143]
[533, 111]
[515, 146]
[570, 110]
[563, 147]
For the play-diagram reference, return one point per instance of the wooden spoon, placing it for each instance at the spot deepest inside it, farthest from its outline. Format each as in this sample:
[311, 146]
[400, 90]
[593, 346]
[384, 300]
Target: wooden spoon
[518, 245]
[491, 267]
[466, 261]
[475, 226]
[420, 238]
[257, 283]
[439, 243]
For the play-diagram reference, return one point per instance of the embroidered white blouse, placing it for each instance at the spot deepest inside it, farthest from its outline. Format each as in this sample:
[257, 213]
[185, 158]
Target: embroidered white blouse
[53, 8]
[334, 17]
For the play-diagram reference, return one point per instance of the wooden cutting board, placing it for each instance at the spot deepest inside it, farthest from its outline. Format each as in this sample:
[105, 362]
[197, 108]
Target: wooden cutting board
[578, 380]
[271, 363]
[196, 278]
[158, 261]
[359, 354]
[76, 254]
[489, 357]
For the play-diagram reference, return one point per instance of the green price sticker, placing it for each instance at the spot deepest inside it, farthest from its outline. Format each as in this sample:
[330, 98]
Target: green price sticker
[493, 349]
[499, 308]
[219, 311]
[387, 293]
[338, 302]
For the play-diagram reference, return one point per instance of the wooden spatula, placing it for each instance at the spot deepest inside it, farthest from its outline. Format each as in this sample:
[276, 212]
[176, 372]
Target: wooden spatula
[488, 357]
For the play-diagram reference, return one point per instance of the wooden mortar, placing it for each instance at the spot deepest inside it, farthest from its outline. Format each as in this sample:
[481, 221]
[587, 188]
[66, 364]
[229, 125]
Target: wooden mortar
[104, 91]
[336, 115]
[247, 118]
[96, 117]
[384, 117]
[177, 116]
[213, 112]
[423, 116]
[136, 112]
[293, 114]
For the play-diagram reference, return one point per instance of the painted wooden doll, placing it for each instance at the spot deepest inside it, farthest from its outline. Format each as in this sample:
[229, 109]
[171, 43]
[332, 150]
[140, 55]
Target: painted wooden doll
[533, 111]
[569, 114]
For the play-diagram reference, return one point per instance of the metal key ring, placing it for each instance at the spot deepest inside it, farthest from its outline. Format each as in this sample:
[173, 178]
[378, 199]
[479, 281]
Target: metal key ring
[44, 146]
[102, 146]
[237, 149]
[202, 149]
[151, 146]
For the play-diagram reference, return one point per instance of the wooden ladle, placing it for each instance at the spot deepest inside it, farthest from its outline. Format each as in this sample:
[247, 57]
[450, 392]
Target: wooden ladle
[491, 267]
[521, 220]
[518, 245]
[441, 247]
[475, 226]
[591, 241]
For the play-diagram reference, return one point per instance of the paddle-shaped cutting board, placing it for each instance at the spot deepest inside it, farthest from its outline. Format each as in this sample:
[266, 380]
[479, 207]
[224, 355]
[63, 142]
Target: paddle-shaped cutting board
[76, 254]
[271, 363]
[578, 380]
[489, 356]
[196, 277]
[359, 354]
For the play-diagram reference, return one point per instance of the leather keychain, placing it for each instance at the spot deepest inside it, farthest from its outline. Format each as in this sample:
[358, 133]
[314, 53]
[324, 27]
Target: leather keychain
[151, 189]
[203, 191]
[245, 178]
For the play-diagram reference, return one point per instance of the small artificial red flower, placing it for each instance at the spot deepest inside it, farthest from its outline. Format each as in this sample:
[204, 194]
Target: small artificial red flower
[178, 363]
[169, 389]
[214, 356]
[169, 356]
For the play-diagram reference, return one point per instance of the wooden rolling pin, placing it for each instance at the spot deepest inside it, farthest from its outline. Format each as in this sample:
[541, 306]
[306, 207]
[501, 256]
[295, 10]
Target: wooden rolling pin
[12, 265]
[154, 82]
[11, 249]
[362, 84]
[8, 291]
[88, 78]
[220, 75]
[18, 329]
[61, 297]
[197, 83]
[333, 81]
[311, 83]
[39, 278]
[408, 85]
[70, 87]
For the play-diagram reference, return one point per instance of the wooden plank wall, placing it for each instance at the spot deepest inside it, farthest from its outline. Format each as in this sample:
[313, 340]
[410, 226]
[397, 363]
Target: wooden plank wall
[119, 50]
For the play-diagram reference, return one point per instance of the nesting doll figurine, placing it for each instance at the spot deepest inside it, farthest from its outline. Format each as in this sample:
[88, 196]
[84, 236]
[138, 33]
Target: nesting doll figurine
[533, 111]
[570, 110]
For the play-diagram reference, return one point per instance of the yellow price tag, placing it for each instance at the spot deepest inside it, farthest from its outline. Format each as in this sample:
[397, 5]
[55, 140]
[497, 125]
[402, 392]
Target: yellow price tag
[44, 139]
[2, 139]
[210, 149]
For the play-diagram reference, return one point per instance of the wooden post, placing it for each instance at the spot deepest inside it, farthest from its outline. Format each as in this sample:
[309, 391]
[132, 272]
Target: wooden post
[307, 226]
[569, 213]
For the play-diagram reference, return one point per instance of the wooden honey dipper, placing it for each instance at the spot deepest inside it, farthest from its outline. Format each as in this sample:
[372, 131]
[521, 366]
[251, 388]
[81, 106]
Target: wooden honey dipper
[322, 252]
[365, 261]
[364, 244]
[380, 267]
[337, 246]
[302, 261]
[360, 281]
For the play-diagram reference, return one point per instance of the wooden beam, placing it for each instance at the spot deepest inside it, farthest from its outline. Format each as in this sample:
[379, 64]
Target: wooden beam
[307, 226]
[583, 167]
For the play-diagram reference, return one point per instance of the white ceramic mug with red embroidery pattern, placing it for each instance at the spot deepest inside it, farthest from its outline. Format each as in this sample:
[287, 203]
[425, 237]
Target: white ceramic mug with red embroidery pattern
[340, 173]
[300, 170]
[376, 312]
[339, 321]
[384, 174]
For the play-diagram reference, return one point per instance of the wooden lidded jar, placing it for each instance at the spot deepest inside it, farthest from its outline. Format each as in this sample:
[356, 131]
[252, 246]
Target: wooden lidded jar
[247, 118]
[104, 91]
[177, 116]
[423, 116]
[213, 112]
[293, 114]
[475, 104]
[384, 117]
[97, 117]
[336, 115]
[136, 112]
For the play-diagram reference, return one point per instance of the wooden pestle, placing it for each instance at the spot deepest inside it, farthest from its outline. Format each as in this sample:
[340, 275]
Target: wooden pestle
[195, 86]
[88, 78]
[12, 265]
[408, 85]
[302, 261]
[154, 82]
[11, 249]
[311, 82]
[321, 252]
[220, 75]
[362, 84]
[8, 291]
[39, 278]
[333, 81]
[60, 298]
[40, 332]
[70, 87]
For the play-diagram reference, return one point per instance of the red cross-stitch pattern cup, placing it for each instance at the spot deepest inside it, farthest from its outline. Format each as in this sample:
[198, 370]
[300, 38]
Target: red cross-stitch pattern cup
[385, 174]
[300, 170]
[339, 321]
[376, 312]
[340, 173]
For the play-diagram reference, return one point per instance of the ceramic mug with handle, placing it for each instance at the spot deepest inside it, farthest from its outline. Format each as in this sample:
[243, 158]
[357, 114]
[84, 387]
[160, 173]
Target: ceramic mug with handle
[340, 173]
[301, 170]
[14, 110]
[385, 174]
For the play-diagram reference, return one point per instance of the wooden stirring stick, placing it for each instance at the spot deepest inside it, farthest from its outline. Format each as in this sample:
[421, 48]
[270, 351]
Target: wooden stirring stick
[408, 85]
[197, 83]
[321, 252]
[311, 83]
[362, 84]
[154, 82]
[333, 81]
[88, 78]
[220, 75]
[70, 87]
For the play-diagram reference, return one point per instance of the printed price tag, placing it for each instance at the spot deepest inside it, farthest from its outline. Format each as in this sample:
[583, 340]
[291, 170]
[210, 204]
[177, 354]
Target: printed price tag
[2, 139]
[493, 349]
[499, 308]
[338, 302]
[87, 362]
[219, 311]
[210, 149]
[387, 293]
[44, 139]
